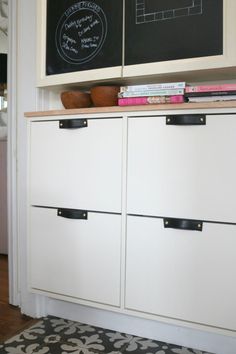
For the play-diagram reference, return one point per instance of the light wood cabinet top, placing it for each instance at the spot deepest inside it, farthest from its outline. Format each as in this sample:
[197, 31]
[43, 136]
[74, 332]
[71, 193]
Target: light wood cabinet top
[117, 109]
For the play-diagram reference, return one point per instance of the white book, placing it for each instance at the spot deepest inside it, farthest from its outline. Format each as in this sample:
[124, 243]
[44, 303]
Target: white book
[143, 93]
[161, 86]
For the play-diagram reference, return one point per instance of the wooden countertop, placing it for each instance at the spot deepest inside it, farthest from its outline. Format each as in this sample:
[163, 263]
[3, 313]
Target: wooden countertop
[117, 109]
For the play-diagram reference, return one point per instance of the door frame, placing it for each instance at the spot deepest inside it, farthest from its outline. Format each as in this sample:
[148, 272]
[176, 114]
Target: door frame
[14, 292]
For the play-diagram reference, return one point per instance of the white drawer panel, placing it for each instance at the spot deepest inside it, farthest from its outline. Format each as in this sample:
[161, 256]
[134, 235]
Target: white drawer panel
[186, 275]
[75, 258]
[77, 168]
[183, 171]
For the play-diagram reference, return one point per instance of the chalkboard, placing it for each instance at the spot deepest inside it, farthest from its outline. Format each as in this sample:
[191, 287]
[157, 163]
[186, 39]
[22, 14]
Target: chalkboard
[172, 29]
[82, 35]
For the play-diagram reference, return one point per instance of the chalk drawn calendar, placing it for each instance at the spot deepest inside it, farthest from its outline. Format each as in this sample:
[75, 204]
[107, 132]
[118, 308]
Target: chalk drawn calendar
[147, 13]
[161, 30]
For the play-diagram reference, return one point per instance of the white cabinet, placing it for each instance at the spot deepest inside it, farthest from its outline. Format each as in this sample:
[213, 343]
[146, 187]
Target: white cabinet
[78, 258]
[136, 212]
[183, 171]
[76, 168]
[75, 173]
[182, 274]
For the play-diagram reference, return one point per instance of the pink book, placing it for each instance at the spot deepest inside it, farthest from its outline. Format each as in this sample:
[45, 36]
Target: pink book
[210, 88]
[135, 101]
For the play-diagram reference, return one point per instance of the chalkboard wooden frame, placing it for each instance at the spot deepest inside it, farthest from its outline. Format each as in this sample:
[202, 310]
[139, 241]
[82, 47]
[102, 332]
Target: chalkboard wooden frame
[84, 76]
[221, 65]
[218, 66]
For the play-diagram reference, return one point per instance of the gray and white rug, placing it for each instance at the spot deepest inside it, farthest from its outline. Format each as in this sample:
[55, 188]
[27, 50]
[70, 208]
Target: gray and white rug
[54, 335]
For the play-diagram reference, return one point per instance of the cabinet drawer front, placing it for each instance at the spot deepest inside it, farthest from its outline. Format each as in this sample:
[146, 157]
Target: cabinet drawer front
[186, 275]
[77, 168]
[183, 170]
[78, 258]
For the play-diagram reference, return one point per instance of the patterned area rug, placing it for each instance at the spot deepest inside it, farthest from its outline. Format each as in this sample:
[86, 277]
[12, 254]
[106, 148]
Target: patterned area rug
[54, 335]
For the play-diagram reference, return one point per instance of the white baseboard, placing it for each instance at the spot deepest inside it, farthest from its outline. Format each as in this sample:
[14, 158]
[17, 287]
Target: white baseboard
[191, 338]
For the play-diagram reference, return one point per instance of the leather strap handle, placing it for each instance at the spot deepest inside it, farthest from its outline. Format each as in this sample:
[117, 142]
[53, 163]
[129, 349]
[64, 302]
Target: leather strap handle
[183, 224]
[73, 123]
[186, 119]
[72, 213]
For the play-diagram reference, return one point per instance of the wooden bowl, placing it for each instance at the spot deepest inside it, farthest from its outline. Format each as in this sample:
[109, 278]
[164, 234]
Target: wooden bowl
[75, 99]
[103, 96]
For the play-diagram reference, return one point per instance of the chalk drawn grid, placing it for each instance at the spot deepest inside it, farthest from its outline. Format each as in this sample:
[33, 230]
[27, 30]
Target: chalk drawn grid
[195, 8]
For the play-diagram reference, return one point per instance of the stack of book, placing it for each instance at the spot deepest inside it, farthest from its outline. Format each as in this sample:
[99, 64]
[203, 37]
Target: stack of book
[172, 92]
[210, 93]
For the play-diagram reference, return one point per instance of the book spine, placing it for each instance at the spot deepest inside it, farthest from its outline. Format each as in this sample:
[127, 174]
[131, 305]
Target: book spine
[146, 93]
[210, 93]
[135, 101]
[162, 86]
[209, 88]
[212, 98]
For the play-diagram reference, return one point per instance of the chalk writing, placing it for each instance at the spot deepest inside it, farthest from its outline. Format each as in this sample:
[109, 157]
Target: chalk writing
[82, 5]
[81, 32]
[89, 42]
[78, 23]
[69, 48]
[68, 40]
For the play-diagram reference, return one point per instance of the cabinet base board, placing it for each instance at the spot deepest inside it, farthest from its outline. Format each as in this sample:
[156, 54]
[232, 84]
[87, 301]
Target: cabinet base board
[193, 338]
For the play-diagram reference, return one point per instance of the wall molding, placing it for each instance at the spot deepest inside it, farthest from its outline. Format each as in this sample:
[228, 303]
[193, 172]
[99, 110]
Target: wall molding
[14, 294]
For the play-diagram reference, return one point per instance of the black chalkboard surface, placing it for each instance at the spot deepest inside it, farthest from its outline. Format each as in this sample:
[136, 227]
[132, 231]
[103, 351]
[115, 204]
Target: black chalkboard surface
[83, 35]
[172, 29]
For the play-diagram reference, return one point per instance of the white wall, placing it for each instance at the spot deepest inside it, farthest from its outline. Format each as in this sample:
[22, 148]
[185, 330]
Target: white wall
[3, 171]
[26, 101]
[3, 197]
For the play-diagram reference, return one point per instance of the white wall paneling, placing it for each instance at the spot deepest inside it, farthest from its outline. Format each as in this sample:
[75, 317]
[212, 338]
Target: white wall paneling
[24, 97]
[13, 266]
[3, 197]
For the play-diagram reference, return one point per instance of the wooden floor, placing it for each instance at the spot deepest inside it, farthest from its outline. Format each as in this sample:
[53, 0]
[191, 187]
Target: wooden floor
[11, 320]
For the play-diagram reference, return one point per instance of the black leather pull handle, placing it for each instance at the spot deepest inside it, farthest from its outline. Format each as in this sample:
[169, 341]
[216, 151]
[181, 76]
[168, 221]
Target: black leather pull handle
[183, 224]
[186, 119]
[72, 213]
[73, 123]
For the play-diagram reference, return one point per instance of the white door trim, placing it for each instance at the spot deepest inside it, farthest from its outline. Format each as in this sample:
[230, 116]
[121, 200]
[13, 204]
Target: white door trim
[14, 293]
